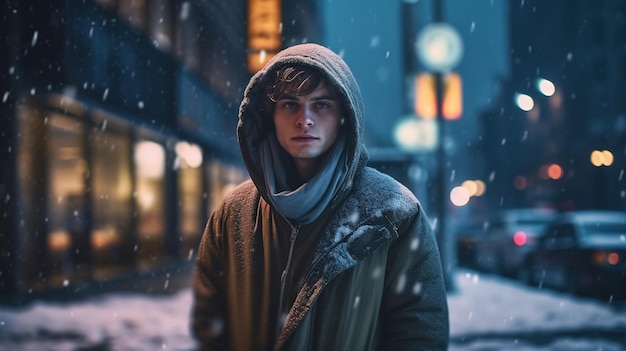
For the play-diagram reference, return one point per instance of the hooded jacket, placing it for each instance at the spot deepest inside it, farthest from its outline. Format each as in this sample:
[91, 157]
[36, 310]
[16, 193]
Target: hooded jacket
[365, 275]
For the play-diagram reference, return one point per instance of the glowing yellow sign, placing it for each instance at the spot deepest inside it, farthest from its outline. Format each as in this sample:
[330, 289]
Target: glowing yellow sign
[264, 32]
[425, 96]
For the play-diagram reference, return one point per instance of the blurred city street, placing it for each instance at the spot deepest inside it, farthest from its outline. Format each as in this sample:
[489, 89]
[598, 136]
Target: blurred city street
[119, 139]
[486, 313]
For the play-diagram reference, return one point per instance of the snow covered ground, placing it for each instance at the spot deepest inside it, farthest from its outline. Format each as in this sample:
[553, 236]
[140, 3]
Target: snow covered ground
[486, 313]
[492, 313]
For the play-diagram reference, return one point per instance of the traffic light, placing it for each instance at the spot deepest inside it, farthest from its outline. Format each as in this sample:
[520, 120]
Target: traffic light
[426, 98]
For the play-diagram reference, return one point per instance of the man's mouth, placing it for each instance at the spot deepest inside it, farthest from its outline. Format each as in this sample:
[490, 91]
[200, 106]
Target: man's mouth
[304, 138]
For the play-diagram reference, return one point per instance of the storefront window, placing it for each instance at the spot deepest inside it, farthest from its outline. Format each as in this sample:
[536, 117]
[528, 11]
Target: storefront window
[32, 190]
[222, 178]
[150, 202]
[111, 237]
[190, 190]
[68, 236]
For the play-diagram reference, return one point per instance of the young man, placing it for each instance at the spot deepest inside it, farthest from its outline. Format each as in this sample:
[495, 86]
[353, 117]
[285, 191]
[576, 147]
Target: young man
[316, 251]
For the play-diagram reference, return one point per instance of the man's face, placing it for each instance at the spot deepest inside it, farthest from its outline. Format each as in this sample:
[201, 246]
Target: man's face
[307, 126]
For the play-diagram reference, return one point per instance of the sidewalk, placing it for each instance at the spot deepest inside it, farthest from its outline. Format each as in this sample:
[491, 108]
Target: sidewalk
[486, 313]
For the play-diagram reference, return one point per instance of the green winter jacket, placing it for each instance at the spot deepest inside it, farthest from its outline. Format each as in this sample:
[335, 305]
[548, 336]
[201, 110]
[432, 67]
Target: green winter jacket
[366, 275]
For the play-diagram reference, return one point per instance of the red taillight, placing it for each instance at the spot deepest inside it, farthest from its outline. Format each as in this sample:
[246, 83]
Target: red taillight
[603, 257]
[520, 238]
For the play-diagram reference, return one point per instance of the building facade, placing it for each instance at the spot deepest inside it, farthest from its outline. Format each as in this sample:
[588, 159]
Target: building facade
[579, 46]
[118, 134]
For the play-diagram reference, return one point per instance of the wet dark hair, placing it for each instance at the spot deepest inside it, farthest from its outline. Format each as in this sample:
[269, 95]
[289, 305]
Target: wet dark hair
[294, 81]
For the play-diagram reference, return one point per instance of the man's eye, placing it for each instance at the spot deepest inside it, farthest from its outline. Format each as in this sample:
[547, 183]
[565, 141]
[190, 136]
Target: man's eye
[289, 105]
[322, 104]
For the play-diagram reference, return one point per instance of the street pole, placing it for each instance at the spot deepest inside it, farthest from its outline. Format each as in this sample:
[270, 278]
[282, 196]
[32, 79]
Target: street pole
[440, 48]
[442, 237]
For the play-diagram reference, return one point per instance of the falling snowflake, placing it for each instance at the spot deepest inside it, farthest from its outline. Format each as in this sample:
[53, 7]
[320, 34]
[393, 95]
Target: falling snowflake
[401, 284]
[356, 302]
[417, 288]
[415, 244]
[33, 41]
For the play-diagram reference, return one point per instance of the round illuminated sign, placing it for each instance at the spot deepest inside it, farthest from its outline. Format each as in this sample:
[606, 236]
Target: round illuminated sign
[439, 47]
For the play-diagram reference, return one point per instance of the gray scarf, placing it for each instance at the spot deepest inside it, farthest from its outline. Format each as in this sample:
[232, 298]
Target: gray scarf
[305, 203]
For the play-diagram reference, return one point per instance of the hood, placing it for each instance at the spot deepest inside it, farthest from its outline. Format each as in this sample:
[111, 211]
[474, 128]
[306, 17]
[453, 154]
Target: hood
[254, 126]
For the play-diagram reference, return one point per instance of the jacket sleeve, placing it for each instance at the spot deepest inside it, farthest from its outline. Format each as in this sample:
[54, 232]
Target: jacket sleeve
[208, 315]
[415, 309]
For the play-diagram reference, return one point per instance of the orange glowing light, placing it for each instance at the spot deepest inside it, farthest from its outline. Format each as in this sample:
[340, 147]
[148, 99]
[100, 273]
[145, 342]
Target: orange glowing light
[607, 156]
[453, 96]
[555, 171]
[426, 98]
[601, 158]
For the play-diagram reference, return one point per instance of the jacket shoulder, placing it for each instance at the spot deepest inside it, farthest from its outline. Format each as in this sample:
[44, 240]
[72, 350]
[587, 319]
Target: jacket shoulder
[247, 188]
[378, 193]
[236, 213]
[372, 181]
[240, 195]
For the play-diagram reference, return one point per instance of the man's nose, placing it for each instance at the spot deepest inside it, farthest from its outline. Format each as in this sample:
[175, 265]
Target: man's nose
[306, 118]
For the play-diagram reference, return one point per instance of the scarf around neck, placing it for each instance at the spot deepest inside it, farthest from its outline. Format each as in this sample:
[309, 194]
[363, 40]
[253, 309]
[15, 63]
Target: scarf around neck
[306, 202]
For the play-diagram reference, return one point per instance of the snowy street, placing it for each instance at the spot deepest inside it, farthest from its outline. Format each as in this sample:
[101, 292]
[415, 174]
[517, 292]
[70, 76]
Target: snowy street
[486, 313]
[493, 313]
